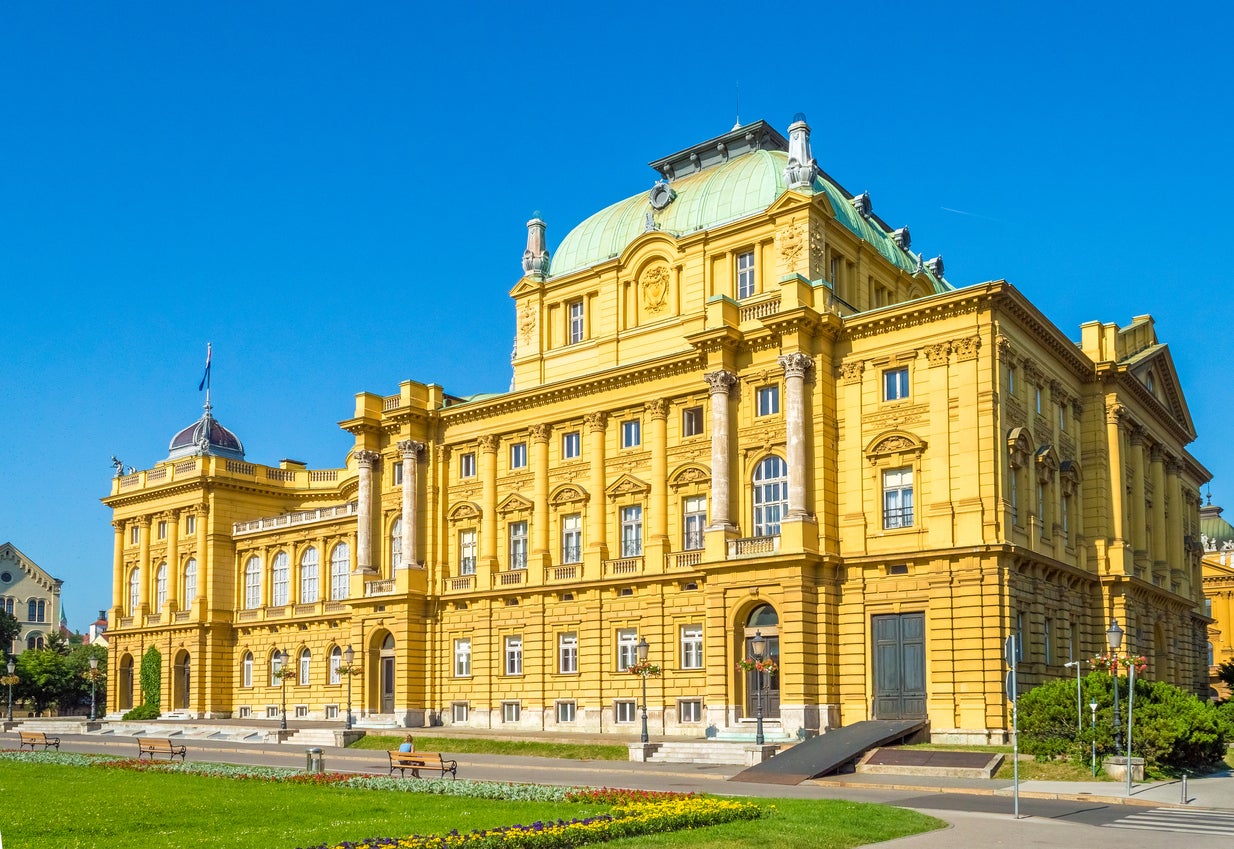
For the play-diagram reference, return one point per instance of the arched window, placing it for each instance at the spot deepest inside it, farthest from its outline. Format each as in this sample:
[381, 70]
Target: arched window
[308, 576]
[276, 663]
[134, 590]
[252, 583]
[336, 660]
[8, 606]
[160, 588]
[246, 670]
[770, 496]
[305, 657]
[32, 609]
[42, 611]
[280, 580]
[340, 567]
[190, 584]
[396, 544]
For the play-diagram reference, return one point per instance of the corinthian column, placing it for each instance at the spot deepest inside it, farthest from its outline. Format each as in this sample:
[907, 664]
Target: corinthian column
[411, 465]
[721, 382]
[597, 517]
[795, 367]
[540, 434]
[365, 460]
[657, 414]
[488, 522]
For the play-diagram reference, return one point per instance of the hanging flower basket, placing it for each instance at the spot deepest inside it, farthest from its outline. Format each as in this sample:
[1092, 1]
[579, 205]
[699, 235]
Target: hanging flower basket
[767, 665]
[647, 669]
[1117, 663]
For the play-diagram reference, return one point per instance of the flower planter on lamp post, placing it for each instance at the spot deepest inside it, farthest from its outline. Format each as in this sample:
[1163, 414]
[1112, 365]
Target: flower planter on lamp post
[644, 669]
[10, 680]
[1114, 639]
[759, 664]
[93, 675]
[348, 669]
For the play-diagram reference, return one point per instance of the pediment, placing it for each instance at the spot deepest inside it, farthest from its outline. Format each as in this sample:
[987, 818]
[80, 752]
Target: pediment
[627, 485]
[894, 442]
[464, 511]
[529, 285]
[514, 503]
[692, 474]
[567, 494]
[1154, 371]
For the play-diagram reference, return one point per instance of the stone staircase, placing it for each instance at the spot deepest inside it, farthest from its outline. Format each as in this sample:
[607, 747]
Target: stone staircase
[310, 737]
[729, 752]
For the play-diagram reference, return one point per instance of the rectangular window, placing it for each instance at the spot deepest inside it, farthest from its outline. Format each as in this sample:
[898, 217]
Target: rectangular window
[518, 455]
[162, 530]
[692, 421]
[458, 711]
[897, 498]
[631, 434]
[895, 384]
[518, 545]
[694, 516]
[246, 712]
[1062, 417]
[578, 328]
[627, 648]
[767, 400]
[398, 474]
[305, 660]
[565, 711]
[691, 646]
[272, 711]
[1037, 398]
[336, 663]
[625, 710]
[246, 676]
[276, 663]
[572, 538]
[1011, 380]
[331, 711]
[567, 653]
[571, 446]
[462, 658]
[301, 711]
[514, 655]
[745, 275]
[1013, 481]
[467, 552]
[190, 524]
[689, 710]
[511, 711]
[632, 531]
[1065, 519]
[133, 535]
[467, 465]
[1046, 643]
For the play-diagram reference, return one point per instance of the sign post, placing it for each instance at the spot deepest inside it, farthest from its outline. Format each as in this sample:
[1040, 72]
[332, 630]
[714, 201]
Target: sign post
[1009, 654]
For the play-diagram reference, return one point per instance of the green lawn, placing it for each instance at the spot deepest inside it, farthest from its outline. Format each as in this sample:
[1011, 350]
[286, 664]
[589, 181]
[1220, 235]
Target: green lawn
[68, 806]
[482, 746]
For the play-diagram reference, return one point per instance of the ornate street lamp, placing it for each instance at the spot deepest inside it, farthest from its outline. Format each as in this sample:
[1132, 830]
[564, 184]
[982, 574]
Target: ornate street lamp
[9, 680]
[1093, 707]
[758, 648]
[642, 649]
[281, 656]
[349, 656]
[94, 676]
[1114, 639]
[1079, 699]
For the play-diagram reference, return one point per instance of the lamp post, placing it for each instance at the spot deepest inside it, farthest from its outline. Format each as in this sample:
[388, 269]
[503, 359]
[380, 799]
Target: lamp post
[94, 676]
[349, 656]
[642, 649]
[1093, 707]
[1079, 701]
[281, 656]
[758, 648]
[1114, 639]
[12, 670]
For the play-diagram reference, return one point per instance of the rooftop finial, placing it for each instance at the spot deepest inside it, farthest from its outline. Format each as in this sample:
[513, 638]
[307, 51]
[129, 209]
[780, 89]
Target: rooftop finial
[535, 258]
[801, 169]
[737, 86]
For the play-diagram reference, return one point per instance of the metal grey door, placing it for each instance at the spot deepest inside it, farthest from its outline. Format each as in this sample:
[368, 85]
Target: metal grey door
[387, 685]
[899, 666]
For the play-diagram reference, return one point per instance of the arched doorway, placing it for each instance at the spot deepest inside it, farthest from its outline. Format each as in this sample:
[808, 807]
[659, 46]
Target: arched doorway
[386, 674]
[124, 688]
[180, 682]
[765, 622]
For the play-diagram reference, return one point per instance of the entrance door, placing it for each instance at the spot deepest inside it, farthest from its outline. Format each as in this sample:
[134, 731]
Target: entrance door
[180, 682]
[387, 674]
[763, 622]
[899, 666]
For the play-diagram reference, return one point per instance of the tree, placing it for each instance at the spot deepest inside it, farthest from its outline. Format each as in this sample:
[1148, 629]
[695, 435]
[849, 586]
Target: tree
[42, 673]
[76, 689]
[10, 630]
[1225, 674]
[57, 643]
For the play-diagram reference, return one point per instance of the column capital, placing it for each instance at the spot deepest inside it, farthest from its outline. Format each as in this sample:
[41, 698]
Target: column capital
[411, 449]
[119, 526]
[487, 443]
[1114, 414]
[851, 372]
[796, 364]
[657, 409]
[720, 381]
[596, 421]
[366, 459]
[540, 432]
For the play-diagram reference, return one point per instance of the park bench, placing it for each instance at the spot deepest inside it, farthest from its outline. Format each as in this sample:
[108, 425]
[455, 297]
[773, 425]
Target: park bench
[158, 746]
[416, 761]
[37, 738]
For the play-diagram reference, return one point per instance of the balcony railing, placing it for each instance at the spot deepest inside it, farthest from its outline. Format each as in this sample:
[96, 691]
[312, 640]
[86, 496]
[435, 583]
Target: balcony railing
[565, 572]
[459, 583]
[753, 547]
[624, 566]
[375, 588]
[509, 579]
[299, 517]
[683, 560]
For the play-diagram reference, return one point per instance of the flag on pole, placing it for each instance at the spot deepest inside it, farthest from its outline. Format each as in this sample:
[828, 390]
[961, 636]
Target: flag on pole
[205, 378]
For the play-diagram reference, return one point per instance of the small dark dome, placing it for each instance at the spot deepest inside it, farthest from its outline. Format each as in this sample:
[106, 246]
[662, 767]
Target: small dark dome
[800, 116]
[206, 436]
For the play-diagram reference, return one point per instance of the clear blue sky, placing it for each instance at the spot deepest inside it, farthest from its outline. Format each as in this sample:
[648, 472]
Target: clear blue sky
[335, 195]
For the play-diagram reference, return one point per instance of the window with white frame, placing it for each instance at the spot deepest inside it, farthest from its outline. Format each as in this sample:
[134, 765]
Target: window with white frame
[308, 576]
[276, 663]
[190, 524]
[331, 711]
[336, 665]
[1046, 642]
[745, 274]
[398, 474]
[571, 445]
[462, 658]
[459, 711]
[511, 711]
[162, 529]
[689, 710]
[572, 538]
[467, 465]
[246, 712]
[632, 530]
[692, 421]
[578, 327]
[627, 648]
[767, 400]
[246, 670]
[518, 545]
[1013, 482]
[272, 711]
[301, 711]
[252, 583]
[770, 496]
[897, 498]
[340, 569]
[691, 646]
[514, 655]
[396, 544]
[303, 672]
[190, 583]
[134, 591]
[567, 653]
[467, 552]
[694, 520]
[134, 535]
[631, 433]
[1062, 417]
[280, 580]
[565, 711]
[160, 588]
[1037, 393]
[1011, 380]
[895, 384]
[518, 455]
[625, 710]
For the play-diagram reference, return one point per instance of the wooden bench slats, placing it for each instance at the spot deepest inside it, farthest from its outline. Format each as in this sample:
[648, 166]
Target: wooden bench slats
[159, 746]
[403, 761]
[37, 738]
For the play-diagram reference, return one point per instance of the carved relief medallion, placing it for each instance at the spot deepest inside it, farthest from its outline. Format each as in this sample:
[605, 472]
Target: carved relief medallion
[654, 285]
[526, 322]
[791, 242]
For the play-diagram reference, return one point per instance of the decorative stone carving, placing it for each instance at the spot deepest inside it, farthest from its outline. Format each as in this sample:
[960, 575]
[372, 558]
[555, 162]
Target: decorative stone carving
[966, 349]
[366, 458]
[851, 372]
[488, 443]
[893, 443]
[796, 364]
[596, 421]
[540, 432]
[567, 495]
[801, 169]
[657, 409]
[1046, 462]
[654, 286]
[818, 245]
[1004, 347]
[936, 355]
[464, 512]
[687, 476]
[1018, 448]
[721, 382]
[791, 243]
[536, 257]
[526, 322]
[411, 449]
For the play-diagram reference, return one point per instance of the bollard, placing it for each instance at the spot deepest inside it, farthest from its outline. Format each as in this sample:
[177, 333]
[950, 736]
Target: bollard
[308, 760]
[316, 762]
[1184, 788]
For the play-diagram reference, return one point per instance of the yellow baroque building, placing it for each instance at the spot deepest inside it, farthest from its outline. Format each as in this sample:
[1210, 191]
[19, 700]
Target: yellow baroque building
[741, 404]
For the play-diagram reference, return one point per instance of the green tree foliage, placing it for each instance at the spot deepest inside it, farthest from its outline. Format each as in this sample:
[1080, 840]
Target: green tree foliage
[10, 630]
[56, 642]
[42, 673]
[1225, 674]
[152, 678]
[77, 681]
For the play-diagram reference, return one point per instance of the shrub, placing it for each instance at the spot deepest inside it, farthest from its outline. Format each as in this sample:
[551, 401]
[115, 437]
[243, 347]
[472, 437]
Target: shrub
[146, 711]
[151, 678]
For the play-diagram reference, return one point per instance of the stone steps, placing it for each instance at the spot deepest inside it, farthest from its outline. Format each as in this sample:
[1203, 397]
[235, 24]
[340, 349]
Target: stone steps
[707, 751]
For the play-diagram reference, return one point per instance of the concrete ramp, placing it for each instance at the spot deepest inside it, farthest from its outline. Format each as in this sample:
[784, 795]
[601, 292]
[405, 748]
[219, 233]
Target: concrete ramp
[828, 752]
